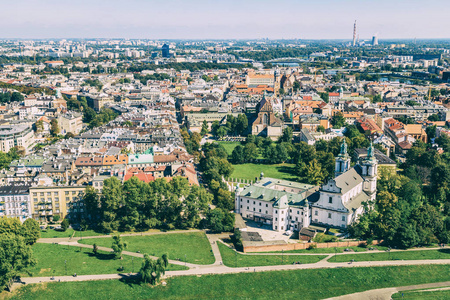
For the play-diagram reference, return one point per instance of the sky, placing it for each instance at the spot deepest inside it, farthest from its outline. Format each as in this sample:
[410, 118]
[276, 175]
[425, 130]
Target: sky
[224, 19]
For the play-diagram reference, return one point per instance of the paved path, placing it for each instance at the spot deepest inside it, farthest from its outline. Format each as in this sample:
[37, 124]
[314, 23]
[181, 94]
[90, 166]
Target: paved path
[218, 268]
[386, 294]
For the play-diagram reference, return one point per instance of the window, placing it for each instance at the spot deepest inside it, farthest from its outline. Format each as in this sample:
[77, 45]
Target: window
[281, 227]
[276, 219]
[343, 218]
[253, 209]
[241, 206]
[282, 219]
[276, 227]
[260, 210]
[316, 213]
[298, 212]
[253, 202]
[247, 208]
[329, 215]
[267, 205]
[248, 201]
[296, 219]
[276, 211]
[330, 200]
[55, 193]
[266, 212]
[259, 203]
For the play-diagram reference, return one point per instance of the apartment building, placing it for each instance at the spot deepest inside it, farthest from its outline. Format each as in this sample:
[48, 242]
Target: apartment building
[48, 201]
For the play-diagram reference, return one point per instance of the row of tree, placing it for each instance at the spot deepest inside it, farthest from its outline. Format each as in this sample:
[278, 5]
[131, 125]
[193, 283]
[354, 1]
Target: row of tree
[16, 255]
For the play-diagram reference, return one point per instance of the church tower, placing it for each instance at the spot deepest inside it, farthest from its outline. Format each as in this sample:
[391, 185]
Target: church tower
[369, 166]
[342, 161]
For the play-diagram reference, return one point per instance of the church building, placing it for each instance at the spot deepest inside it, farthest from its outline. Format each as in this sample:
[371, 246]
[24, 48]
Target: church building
[291, 205]
[267, 123]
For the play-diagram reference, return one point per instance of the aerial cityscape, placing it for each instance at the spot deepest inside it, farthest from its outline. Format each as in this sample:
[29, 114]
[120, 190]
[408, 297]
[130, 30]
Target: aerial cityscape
[229, 150]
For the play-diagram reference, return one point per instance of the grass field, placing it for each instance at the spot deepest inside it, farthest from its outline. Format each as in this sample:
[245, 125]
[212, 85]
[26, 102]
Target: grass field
[395, 255]
[194, 245]
[50, 261]
[51, 233]
[296, 284]
[250, 171]
[423, 294]
[229, 146]
[332, 250]
[230, 258]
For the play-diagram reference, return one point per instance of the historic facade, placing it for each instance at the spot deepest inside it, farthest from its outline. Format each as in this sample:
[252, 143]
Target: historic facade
[267, 124]
[291, 206]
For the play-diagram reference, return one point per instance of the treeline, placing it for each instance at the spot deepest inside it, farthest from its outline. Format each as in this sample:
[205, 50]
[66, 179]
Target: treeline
[24, 89]
[234, 126]
[9, 97]
[413, 207]
[89, 115]
[15, 248]
[138, 206]
[156, 76]
[274, 53]
[197, 66]
[313, 164]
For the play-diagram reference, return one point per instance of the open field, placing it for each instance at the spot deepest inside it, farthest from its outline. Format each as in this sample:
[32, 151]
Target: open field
[51, 233]
[310, 284]
[230, 258]
[434, 294]
[229, 146]
[394, 255]
[250, 171]
[332, 250]
[194, 245]
[51, 261]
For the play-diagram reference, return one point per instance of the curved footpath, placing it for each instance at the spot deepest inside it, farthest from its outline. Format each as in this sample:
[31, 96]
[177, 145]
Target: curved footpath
[218, 268]
[386, 294]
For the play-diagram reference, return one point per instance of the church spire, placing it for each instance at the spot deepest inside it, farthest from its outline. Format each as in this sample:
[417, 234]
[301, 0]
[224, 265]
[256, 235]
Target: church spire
[343, 160]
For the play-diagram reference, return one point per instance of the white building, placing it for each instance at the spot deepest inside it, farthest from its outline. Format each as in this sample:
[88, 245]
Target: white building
[290, 205]
[15, 135]
[15, 201]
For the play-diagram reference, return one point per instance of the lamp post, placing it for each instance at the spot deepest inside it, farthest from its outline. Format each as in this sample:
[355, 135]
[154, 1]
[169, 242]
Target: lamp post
[185, 260]
[389, 250]
[65, 265]
[132, 264]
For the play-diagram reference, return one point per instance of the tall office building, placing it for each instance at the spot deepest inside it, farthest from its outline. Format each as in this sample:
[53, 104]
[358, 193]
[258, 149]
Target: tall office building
[374, 40]
[165, 51]
[354, 34]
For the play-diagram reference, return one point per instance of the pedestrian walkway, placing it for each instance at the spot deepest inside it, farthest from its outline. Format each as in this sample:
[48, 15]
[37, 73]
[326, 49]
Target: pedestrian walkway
[386, 294]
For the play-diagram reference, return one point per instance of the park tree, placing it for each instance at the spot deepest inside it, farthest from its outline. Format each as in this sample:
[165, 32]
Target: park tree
[204, 128]
[95, 249]
[17, 97]
[54, 128]
[65, 224]
[118, 245]
[237, 156]
[152, 270]
[15, 257]
[91, 203]
[218, 220]
[241, 124]
[338, 120]
[31, 231]
[286, 136]
[250, 152]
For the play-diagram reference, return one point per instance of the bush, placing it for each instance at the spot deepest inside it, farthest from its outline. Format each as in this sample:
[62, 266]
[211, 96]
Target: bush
[312, 246]
[237, 239]
[56, 218]
[65, 224]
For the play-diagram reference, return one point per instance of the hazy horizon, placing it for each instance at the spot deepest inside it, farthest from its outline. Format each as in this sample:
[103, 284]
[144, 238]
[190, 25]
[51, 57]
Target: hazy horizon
[237, 20]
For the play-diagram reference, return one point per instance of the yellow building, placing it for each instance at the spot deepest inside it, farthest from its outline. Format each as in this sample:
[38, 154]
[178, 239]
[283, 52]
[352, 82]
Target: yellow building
[49, 201]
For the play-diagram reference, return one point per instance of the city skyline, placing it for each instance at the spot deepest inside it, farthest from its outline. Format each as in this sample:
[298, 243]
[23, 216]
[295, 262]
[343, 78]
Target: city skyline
[202, 19]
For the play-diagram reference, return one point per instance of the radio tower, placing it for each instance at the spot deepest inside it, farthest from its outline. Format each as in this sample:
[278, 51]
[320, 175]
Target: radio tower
[354, 34]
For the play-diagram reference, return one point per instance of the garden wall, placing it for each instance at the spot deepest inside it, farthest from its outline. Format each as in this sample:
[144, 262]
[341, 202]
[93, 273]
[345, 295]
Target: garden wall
[302, 246]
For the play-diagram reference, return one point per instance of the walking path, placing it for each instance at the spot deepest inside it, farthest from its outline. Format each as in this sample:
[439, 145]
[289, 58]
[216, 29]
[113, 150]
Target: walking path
[386, 294]
[219, 268]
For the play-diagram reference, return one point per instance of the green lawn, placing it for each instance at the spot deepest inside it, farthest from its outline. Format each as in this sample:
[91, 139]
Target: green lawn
[229, 146]
[230, 258]
[295, 284]
[332, 250]
[194, 245]
[51, 233]
[394, 255]
[50, 261]
[423, 294]
[250, 171]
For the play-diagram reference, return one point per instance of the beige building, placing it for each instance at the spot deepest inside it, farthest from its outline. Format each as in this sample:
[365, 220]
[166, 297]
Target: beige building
[16, 135]
[48, 201]
[70, 122]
